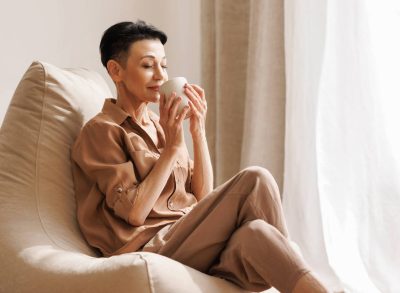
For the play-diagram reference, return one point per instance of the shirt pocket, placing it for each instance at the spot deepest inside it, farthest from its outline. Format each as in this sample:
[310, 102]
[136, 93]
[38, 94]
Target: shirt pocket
[144, 161]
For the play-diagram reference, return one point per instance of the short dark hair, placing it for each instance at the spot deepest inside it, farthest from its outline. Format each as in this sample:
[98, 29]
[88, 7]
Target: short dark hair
[117, 39]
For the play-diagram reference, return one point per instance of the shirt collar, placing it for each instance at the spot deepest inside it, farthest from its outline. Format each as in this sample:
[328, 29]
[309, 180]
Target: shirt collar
[116, 113]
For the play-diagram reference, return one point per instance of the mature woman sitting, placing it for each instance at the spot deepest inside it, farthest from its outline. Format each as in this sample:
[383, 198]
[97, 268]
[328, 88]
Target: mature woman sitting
[138, 190]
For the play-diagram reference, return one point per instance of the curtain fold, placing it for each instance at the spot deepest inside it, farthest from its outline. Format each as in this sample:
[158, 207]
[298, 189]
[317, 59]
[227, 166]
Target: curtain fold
[341, 189]
[322, 108]
[225, 27]
[264, 117]
[243, 76]
[304, 47]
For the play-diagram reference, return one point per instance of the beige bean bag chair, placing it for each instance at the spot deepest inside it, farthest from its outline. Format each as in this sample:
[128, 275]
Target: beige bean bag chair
[41, 247]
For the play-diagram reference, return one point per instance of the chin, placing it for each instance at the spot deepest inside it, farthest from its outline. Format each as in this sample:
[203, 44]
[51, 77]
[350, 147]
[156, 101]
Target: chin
[152, 99]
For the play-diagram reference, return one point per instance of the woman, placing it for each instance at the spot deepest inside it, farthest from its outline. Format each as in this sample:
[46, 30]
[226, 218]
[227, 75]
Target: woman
[138, 190]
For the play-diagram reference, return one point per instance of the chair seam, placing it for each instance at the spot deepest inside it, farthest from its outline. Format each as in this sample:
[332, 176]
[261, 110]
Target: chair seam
[151, 285]
[37, 158]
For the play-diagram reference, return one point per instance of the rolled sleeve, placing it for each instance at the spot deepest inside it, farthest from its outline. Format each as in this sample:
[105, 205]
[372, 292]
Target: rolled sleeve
[99, 152]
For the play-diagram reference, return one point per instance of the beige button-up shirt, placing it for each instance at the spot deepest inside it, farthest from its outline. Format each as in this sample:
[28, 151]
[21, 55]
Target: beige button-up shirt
[111, 156]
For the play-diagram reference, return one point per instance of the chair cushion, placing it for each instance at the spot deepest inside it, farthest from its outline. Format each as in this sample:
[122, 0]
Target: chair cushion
[41, 247]
[49, 107]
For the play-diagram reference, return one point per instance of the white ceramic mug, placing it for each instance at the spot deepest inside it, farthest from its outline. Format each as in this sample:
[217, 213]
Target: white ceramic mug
[176, 85]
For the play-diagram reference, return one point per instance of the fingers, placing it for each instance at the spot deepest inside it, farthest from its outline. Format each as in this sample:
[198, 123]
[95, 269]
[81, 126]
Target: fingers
[165, 106]
[161, 108]
[171, 121]
[182, 115]
[161, 103]
[169, 101]
[193, 109]
[195, 98]
[200, 91]
[173, 111]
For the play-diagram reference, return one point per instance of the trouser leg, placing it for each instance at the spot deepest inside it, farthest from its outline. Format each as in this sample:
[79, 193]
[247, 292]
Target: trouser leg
[199, 237]
[257, 255]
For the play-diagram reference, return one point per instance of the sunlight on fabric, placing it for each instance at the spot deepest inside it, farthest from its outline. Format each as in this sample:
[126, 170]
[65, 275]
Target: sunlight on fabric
[345, 251]
[342, 155]
[385, 29]
[358, 144]
[55, 260]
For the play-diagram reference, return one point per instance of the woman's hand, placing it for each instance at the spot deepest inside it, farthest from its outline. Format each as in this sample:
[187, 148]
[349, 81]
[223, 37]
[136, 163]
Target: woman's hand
[202, 178]
[198, 107]
[171, 122]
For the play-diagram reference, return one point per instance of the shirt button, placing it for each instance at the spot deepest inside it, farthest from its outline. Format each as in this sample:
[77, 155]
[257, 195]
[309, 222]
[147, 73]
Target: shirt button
[119, 190]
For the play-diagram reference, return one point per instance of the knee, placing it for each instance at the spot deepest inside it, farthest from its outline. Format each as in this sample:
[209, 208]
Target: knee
[259, 175]
[248, 232]
[256, 231]
[254, 227]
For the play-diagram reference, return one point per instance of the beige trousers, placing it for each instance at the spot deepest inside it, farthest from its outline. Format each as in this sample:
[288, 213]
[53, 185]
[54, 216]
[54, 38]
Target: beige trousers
[238, 233]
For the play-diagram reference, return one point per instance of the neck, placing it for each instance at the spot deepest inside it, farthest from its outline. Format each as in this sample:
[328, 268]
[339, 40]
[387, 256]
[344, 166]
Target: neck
[137, 109]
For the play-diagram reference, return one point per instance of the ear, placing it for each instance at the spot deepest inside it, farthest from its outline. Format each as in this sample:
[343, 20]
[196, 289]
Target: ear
[114, 70]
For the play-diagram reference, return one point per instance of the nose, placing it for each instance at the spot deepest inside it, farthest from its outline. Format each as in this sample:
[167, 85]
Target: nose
[159, 73]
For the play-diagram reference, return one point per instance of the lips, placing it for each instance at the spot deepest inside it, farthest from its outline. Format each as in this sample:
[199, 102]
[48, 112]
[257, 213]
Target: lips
[154, 88]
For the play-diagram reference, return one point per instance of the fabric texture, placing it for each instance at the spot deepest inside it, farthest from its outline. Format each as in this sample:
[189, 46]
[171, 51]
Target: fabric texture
[237, 232]
[111, 157]
[41, 247]
[243, 74]
[342, 159]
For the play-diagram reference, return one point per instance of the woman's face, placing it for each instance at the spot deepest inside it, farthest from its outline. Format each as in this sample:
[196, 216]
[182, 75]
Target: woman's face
[145, 71]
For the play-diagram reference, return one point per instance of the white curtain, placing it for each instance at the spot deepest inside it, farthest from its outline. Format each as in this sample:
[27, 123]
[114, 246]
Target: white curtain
[341, 190]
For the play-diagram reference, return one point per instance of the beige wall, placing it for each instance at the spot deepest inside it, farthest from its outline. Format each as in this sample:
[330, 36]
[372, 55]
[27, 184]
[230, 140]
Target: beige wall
[67, 33]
